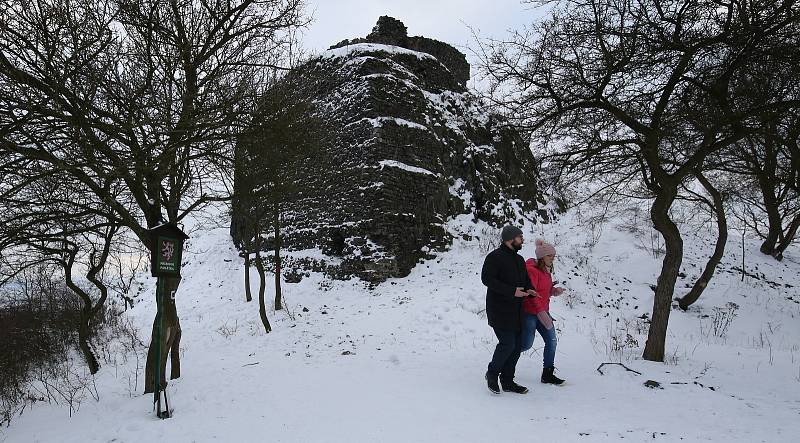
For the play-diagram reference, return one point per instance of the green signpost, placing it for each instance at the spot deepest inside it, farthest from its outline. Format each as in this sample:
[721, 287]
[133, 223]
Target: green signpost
[165, 261]
[166, 255]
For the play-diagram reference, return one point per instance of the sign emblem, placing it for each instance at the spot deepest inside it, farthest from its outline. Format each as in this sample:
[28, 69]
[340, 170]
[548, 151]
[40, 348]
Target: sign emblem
[167, 250]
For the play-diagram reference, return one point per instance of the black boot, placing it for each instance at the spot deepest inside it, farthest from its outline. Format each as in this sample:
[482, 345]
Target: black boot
[548, 377]
[510, 386]
[491, 383]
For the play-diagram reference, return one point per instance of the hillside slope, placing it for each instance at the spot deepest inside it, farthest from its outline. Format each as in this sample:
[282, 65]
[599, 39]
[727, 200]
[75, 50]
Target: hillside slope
[404, 362]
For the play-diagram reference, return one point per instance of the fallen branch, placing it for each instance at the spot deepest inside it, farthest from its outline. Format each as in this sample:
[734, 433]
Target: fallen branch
[251, 364]
[620, 364]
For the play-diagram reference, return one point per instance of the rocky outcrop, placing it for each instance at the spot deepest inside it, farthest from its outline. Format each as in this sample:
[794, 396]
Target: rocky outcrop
[390, 31]
[408, 148]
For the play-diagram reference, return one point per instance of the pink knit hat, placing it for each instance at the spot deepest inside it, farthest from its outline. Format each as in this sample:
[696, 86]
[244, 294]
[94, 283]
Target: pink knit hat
[543, 248]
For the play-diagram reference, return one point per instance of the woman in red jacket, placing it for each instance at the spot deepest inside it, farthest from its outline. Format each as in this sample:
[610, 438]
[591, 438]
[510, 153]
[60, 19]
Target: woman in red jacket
[537, 309]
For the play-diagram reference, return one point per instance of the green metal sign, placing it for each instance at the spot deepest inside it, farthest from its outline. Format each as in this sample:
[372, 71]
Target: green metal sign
[167, 251]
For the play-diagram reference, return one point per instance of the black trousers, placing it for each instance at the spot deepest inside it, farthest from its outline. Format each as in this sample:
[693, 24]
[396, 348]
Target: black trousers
[506, 354]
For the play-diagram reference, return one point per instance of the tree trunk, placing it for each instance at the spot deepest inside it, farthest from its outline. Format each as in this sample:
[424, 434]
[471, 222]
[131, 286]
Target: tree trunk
[262, 282]
[767, 184]
[787, 238]
[84, 332]
[85, 317]
[776, 240]
[170, 340]
[659, 213]
[719, 249]
[248, 295]
[262, 286]
[277, 227]
[774, 223]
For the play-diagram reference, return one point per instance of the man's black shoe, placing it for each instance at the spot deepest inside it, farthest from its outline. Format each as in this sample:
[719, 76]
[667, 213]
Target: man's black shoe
[491, 383]
[515, 388]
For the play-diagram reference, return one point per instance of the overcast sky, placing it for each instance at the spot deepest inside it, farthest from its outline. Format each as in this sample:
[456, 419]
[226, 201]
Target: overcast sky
[445, 20]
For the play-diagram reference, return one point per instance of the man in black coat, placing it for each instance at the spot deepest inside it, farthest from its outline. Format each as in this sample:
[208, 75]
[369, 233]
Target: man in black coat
[507, 283]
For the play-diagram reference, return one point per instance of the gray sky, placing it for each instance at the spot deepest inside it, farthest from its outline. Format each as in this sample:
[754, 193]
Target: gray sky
[445, 20]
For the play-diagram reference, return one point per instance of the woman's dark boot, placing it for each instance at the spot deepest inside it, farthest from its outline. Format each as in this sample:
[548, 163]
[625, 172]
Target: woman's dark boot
[548, 377]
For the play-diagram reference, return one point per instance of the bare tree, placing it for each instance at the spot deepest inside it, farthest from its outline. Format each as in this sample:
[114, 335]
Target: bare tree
[759, 154]
[617, 84]
[71, 251]
[43, 219]
[769, 195]
[144, 95]
[285, 134]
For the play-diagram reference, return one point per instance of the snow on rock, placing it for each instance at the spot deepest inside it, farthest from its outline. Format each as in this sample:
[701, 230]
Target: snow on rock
[362, 48]
[403, 166]
[379, 121]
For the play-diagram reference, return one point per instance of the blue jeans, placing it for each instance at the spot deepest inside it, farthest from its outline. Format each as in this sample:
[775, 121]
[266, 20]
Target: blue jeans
[530, 325]
[506, 354]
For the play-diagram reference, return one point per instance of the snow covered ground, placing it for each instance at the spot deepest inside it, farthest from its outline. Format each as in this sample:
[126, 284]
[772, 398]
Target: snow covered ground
[404, 362]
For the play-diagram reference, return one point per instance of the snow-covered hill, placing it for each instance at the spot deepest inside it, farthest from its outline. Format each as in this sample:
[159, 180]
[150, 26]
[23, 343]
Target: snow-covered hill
[404, 362]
